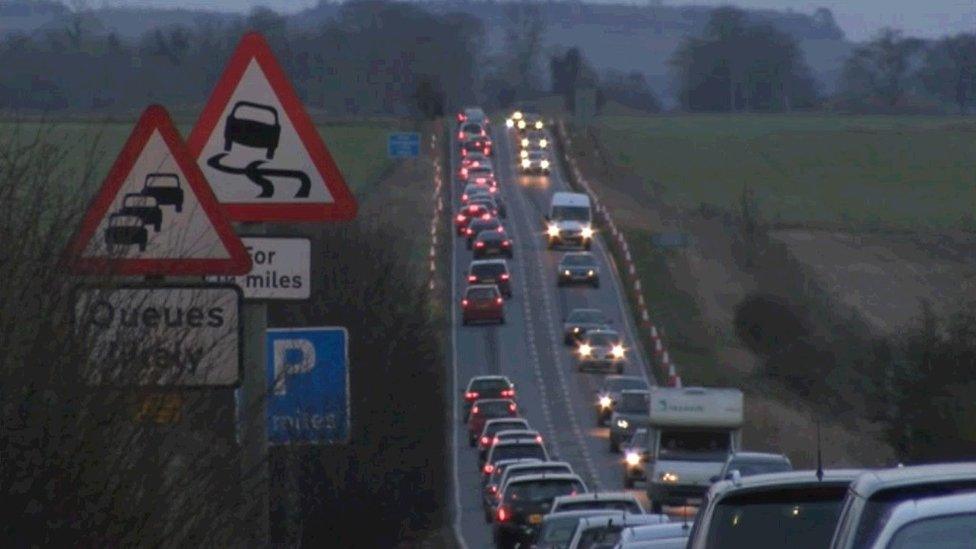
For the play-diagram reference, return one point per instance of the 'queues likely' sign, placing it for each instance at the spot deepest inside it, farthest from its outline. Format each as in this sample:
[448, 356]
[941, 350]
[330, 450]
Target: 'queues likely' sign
[281, 269]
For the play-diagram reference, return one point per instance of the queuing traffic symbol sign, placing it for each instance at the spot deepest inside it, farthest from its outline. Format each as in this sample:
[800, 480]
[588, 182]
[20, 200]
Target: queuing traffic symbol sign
[260, 150]
[308, 381]
[403, 145]
[155, 213]
[160, 336]
[282, 268]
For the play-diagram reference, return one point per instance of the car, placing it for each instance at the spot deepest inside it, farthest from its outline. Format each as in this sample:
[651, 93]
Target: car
[250, 130]
[874, 494]
[636, 456]
[473, 114]
[632, 536]
[753, 463]
[145, 207]
[535, 163]
[579, 321]
[523, 503]
[489, 494]
[516, 470]
[535, 138]
[578, 267]
[165, 187]
[470, 130]
[475, 190]
[633, 411]
[492, 202]
[612, 501]
[488, 408]
[125, 230]
[529, 121]
[557, 529]
[608, 394]
[481, 145]
[482, 174]
[569, 221]
[507, 434]
[795, 510]
[472, 160]
[489, 243]
[601, 350]
[482, 303]
[466, 214]
[530, 447]
[605, 531]
[478, 225]
[939, 522]
[492, 386]
[494, 426]
[491, 271]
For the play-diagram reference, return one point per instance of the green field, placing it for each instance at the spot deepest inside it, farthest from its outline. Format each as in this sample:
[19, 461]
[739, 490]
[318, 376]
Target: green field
[872, 172]
[358, 149]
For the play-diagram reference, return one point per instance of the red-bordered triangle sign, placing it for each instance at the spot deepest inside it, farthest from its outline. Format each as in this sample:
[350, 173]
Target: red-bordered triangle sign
[260, 151]
[155, 213]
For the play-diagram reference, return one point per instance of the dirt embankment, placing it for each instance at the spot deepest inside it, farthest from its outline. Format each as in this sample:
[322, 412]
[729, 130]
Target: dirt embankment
[759, 306]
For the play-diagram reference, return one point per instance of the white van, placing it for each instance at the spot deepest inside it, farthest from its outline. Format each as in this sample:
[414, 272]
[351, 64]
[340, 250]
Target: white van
[570, 221]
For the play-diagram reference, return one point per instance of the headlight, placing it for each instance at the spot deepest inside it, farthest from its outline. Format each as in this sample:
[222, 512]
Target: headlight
[584, 350]
[524, 153]
[521, 124]
[525, 141]
[545, 164]
[587, 232]
[623, 423]
[575, 329]
[669, 477]
[553, 230]
[538, 126]
[517, 115]
[590, 272]
[566, 272]
[526, 162]
[509, 123]
[605, 401]
[633, 459]
[617, 351]
[543, 143]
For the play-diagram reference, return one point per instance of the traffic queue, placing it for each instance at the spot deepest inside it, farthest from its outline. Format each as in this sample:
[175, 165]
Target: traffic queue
[683, 444]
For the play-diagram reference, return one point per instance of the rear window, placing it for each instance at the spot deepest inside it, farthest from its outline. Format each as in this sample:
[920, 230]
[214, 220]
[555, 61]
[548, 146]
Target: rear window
[517, 451]
[485, 236]
[484, 224]
[489, 385]
[747, 467]
[626, 384]
[797, 518]
[482, 293]
[695, 445]
[494, 407]
[877, 508]
[602, 340]
[543, 490]
[635, 403]
[627, 506]
[516, 473]
[558, 531]
[949, 532]
[490, 430]
[472, 128]
[605, 537]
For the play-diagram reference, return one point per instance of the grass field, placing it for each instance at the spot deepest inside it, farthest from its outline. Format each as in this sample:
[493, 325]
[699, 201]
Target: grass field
[358, 149]
[870, 172]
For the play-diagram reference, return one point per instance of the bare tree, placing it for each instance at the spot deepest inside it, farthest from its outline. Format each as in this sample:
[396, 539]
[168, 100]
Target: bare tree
[950, 70]
[881, 68]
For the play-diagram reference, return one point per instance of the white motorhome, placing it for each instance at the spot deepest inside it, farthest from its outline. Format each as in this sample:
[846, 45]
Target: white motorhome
[569, 222]
[692, 430]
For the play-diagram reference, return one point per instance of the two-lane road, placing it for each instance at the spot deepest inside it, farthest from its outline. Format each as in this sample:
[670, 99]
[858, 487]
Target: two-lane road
[528, 348]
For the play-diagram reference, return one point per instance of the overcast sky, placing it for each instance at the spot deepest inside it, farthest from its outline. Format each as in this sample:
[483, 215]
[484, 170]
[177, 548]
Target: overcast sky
[859, 18]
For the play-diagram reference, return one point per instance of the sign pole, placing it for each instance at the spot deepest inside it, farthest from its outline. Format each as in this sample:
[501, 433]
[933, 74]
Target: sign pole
[254, 462]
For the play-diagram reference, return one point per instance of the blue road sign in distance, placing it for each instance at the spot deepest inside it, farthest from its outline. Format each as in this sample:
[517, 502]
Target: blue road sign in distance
[308, 382]
[403, 145]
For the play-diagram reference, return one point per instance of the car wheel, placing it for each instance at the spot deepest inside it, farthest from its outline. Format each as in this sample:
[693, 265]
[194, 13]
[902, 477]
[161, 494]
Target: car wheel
[488, 516]
[614, 446]
[657, 508]
[628, 482]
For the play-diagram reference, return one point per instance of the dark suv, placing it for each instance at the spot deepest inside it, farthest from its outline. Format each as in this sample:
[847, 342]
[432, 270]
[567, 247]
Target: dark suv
[525, 501]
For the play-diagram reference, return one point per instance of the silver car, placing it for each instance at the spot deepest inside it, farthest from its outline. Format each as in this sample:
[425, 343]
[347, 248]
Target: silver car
[578, 267]
[944, 522]
[601, 350]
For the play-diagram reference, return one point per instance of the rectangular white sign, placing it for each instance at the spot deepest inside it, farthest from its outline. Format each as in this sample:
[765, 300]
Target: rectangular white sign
[281, 268]
[167, 336]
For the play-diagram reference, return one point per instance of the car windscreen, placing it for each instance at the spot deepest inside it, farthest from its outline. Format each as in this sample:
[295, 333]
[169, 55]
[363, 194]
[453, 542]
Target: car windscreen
[486, 236]
[542, 490]
[694, 445]
[578, 260]
[880, 504]
[524, 472]
[948, 532]
[484, 224]
[492, 384]
[634, 403]
[493, 408]
[583, 316]
[481, 293]
[516, 451]
[603, 340]
[570, 213]
[790, 518]
[558, 532]
[472, 128]
[613, 505]
[623, 384]
[748, 467]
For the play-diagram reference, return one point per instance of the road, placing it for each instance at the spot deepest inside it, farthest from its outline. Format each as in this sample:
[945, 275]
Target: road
[528, 348]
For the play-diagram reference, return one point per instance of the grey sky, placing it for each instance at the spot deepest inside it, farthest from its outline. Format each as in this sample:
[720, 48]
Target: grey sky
[859, 18]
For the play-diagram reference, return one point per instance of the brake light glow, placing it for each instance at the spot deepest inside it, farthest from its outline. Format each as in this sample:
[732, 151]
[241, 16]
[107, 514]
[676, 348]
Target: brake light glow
[474, 410]
[488, 468]
[479, 244]
[501, 229]
[472, 278]
[486, 216]
[464, 302]
[460, 217]
[460, 117]
[512, 407]
[504, 277]
[471, 395]
[538, 438]
[460, 135]
[472, 209]
[506, 243]
[495, 441]
[464, 198]
[499, 300]
[469, 231]
[502, 514]
[493, 489]
[508, 393]
[484, 441]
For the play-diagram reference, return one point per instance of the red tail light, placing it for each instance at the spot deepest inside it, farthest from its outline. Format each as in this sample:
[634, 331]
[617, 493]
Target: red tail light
[508, 393]
[461, 117]
[469, 232]
[512, 407]
[504, 277]
[460, 135]
[499, 300]
[538, 439]
[464, 198]
[472, 278]
[464, 173]
[493, 189]
[472, 209]
[506, 243]
[460, 217]
[474, 410]
[493, 489]
[479, 244]
[488, 468]
[471, 395]
[464, 302]
[484, 441]
[502, 514]
[501, 229]
[495, 441]
[486, 215]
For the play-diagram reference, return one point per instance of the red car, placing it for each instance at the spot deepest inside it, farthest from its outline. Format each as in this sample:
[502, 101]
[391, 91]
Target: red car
[485, 409]
[482, 302]
[466, 214]
[478, 144]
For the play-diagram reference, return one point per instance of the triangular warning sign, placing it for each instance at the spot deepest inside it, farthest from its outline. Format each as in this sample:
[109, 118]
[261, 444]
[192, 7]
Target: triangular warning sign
[155, 213]
[259, 150]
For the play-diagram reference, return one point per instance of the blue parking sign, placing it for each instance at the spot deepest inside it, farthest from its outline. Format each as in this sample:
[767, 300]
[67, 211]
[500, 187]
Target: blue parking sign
[403, 145]
[308, 385]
